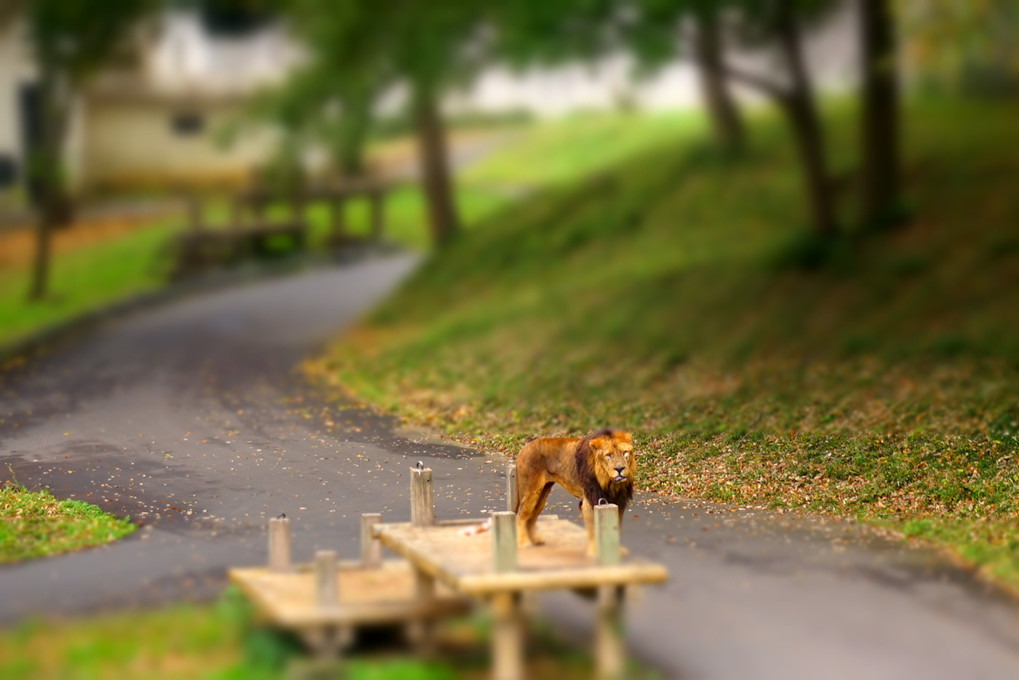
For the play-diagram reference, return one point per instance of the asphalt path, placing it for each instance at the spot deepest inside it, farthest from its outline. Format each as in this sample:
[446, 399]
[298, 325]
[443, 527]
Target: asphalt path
[192, 418]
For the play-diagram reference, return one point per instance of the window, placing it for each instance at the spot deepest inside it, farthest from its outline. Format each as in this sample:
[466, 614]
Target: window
[185, 123]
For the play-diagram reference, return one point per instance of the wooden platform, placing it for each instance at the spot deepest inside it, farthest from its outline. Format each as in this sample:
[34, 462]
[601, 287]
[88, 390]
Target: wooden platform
[366, 596]
[465, 563]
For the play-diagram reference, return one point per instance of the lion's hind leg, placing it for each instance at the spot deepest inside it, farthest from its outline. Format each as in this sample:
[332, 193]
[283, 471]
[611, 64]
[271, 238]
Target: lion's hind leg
[531, 505]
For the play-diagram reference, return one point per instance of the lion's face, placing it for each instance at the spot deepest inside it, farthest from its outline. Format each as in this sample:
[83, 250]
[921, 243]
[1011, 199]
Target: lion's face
[612, 459]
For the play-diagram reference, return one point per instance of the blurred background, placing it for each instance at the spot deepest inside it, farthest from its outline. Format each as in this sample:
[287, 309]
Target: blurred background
[776, 239]
[119, 107]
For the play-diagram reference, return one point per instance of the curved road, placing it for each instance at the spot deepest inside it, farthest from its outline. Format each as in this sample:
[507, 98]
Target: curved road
[191, 418]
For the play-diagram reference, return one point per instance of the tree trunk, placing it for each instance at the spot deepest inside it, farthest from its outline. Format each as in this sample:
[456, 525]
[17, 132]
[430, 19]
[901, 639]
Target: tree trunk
[718, 101]
[801, 110]
[50, 204]
[352, 131]
[880, 114]
[434, 165]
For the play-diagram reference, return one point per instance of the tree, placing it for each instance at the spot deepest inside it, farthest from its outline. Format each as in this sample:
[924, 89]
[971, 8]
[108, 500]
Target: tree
[70, 42]
[426, 47]
[709, 56]
[651, 29]
[658, 31]
[880, 114]
[779, 23]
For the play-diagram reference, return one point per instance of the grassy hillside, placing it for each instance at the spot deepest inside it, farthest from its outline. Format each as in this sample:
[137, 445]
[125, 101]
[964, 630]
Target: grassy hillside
[662, 288]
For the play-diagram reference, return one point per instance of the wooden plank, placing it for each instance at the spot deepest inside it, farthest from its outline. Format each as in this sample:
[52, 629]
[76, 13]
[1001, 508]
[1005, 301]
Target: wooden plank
[365, 596]
[465, 562]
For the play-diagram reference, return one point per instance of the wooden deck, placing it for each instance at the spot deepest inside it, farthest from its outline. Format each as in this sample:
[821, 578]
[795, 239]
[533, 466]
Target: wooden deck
[465, 563]
[445, 562]
[366, 596]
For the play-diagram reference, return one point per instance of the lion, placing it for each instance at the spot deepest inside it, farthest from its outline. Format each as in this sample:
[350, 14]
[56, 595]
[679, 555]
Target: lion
[599, 466]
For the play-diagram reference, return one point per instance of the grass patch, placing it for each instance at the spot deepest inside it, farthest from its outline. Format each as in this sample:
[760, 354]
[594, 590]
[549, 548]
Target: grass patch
[85, 278]
[222, 641]
[672, 292]
[35, 524]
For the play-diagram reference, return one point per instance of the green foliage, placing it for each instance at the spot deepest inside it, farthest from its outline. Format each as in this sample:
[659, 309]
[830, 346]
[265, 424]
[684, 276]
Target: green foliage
[86, 279]
[75, 39]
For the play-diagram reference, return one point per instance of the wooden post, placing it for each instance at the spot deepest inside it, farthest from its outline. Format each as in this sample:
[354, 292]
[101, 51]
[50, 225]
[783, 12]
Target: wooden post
[377, 203]
[507, 637]
[297, 207]
[504, 542]
[258, 202]
[371, 549]
[279, 544]
[195, 210]
[422, 511]
[610, 654]
[422, 631]
[326, 586]
[338, 220]
[606, 534]
[237, 213]
[511, 487]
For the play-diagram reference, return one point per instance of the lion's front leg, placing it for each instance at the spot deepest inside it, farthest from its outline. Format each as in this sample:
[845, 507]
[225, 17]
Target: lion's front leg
[588, 512]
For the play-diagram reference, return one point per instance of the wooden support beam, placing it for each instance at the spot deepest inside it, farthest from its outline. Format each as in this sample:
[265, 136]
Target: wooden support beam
[511, 486]
[371, 549]
[504, 542]
[610, 648]
[422, 631]
[279, 544]
[326, 582]
[338, 222]
[422, 510]
[377, 199]
[237, 213]
[507, 637]
[297, 205]
[257, 204]
[606, 534]
[194, 201]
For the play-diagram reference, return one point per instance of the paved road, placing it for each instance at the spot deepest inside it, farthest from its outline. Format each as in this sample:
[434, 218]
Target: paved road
[191, 418]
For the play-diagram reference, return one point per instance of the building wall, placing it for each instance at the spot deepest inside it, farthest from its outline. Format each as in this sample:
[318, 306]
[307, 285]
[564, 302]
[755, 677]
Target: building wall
[15, 70]
[147, 142]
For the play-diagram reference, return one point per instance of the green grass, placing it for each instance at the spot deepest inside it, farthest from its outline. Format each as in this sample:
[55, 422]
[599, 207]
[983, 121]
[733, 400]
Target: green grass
[35, 524]
[83, 280]
[223, 641]
[675, 293]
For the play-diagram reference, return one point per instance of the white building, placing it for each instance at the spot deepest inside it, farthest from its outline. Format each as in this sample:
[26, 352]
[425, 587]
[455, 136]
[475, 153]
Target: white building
[159, 122]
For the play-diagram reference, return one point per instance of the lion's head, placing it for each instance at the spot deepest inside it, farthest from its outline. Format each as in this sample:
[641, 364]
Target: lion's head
[606, 466]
